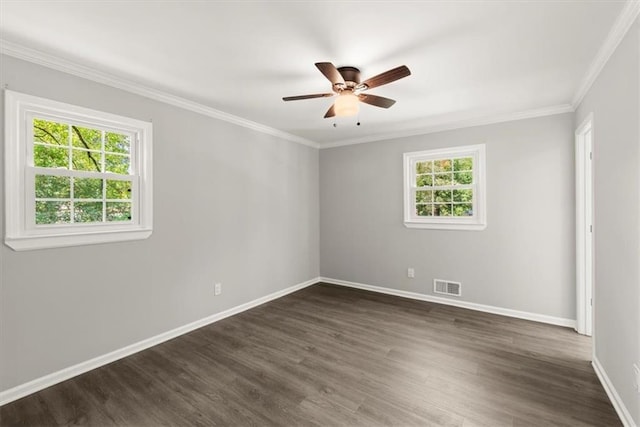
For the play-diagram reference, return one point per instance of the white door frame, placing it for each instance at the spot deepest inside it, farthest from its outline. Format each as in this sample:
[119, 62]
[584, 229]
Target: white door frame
[584, 227]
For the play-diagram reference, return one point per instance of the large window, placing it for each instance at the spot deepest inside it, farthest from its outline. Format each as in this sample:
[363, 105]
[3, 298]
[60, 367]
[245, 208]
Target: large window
[445, 188]
[74, 176]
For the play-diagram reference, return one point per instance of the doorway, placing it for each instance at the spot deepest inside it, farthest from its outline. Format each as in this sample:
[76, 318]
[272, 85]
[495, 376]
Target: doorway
[584, 227]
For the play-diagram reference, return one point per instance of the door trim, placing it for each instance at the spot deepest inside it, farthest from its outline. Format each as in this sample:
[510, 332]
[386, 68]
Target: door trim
[585, 300]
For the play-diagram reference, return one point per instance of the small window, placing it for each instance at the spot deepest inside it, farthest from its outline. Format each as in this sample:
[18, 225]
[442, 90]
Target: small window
[445, 188]
[74, 176]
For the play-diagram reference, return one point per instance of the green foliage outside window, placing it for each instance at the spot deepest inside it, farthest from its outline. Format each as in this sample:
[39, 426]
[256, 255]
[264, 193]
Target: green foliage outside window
[431, 174]
[66, 199]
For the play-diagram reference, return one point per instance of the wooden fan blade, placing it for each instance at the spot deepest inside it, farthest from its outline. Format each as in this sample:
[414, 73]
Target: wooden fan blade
[315, 95]
[378, 101]
[330, 113]
[330, 72]
[387, 77]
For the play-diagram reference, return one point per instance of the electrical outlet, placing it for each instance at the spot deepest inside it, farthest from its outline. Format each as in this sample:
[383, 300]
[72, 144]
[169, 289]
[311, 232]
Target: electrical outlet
[636, 372]
[217, 289]
[411, 273]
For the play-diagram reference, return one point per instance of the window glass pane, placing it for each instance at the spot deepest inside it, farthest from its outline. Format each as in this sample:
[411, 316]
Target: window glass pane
[424, 210]
[117, 143]
[424, 196]
[53, 212]
[91, 139]
[463, 177]
[464, 209]
[118, 211]
[463, 164]
[463, 196]
[50, 132]
[442, 179]
[424, 180]
[50, 157]
[424, 167]
[118, 189]
[441, 209]
[53, 187]
[86, 160]
[442, 196]
[442, 165]
[87, 188]
[87, 212]
[117, 164]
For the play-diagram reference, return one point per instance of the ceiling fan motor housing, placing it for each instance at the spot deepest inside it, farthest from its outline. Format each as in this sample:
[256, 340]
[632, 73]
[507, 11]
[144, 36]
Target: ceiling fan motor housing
[351, 76]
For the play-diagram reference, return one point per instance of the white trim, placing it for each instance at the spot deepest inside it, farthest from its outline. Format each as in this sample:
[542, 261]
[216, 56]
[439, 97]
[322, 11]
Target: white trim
[446, 226]
[478, 221]
[616, 401]
[21, 232]
[62, 241]
[57, 63]
[50, 61]
[543, 318]
[616, 34]
[38, 384]
[453, 125]
[584, 219]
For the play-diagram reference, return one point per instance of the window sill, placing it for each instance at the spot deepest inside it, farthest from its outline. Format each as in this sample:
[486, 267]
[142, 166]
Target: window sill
[445, 226]
[28, 243]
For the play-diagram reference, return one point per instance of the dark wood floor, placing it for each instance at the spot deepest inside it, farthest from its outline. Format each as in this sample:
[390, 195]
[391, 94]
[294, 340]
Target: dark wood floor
[333, 356]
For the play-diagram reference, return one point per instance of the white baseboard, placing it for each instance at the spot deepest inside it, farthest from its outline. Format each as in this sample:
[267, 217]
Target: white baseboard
[617, 403]
[56, 377]
[569, 323]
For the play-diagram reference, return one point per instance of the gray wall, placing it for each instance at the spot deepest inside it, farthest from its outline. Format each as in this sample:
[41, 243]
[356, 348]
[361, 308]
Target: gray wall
[524, 260]
[241, 207]
[230, 205]
[614, 100]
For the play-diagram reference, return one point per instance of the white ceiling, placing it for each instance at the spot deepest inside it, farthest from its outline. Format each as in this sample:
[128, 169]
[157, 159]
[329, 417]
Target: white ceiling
[469, 59]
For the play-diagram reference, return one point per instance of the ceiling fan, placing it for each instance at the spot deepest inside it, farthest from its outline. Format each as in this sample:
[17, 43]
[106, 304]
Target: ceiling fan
[346, 84]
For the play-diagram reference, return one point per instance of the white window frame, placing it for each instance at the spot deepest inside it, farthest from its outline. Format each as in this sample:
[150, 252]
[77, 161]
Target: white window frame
[479, 219]
[21, 231]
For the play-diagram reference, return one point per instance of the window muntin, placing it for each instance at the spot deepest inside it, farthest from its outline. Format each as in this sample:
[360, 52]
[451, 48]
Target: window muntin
[74, 176]
[445, 188]
[82, 175]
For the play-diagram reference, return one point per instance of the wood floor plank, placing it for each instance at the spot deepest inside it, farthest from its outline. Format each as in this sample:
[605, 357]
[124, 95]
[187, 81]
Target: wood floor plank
[335, 356]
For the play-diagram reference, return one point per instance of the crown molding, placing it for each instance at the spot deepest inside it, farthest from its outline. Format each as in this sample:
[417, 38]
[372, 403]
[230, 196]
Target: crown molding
[622, 25]
[69, 67]
[620, 28]
[459, 124]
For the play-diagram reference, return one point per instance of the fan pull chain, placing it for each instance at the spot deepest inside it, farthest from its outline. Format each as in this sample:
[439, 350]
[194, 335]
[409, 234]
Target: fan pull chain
[335, 125]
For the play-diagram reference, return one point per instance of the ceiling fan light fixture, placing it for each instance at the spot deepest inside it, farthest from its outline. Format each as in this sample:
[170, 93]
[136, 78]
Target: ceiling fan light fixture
[345, 82]
[347, 104]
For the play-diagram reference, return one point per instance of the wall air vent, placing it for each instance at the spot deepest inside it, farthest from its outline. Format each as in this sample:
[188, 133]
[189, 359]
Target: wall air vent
[447, 287]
